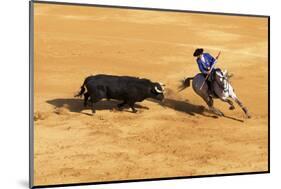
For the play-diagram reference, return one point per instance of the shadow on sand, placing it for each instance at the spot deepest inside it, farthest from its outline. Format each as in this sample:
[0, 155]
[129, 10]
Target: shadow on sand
[76, 104]
[182, 106]
[191, 109]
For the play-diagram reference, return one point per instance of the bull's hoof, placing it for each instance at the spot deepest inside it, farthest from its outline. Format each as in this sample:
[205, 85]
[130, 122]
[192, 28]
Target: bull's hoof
[119, 109]
[134, 111]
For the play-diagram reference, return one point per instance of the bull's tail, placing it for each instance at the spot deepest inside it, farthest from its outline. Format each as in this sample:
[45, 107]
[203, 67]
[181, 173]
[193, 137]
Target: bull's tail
[185, 83]
[82, 90]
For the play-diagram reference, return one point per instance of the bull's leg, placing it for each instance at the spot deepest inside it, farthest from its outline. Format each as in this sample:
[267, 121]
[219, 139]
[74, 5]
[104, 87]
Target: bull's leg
[86, 97]
[133, 109]
[244, 108]
[93, 109]
[94, 100]
[132, 104]
[210, 103]
[121, 104]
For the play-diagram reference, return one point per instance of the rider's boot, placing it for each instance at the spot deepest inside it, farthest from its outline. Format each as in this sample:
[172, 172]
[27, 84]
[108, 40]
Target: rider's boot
[211, 90]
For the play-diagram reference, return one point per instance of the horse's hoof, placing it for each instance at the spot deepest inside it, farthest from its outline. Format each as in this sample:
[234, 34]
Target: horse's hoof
[215, 116]
[231, 107]
[217, 112]
[220, 114]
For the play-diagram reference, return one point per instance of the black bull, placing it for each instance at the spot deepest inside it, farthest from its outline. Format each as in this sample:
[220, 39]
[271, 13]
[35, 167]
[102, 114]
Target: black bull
[125, 88]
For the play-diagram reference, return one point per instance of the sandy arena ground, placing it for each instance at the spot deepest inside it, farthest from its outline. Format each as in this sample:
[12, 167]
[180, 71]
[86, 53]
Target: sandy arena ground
[176, 138]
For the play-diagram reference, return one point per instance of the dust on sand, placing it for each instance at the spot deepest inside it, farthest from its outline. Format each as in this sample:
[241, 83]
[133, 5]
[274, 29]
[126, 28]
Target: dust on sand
[176, 138]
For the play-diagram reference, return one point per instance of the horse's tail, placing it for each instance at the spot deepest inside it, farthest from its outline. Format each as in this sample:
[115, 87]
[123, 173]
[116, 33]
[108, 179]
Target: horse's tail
[82, 90]
[185, 83]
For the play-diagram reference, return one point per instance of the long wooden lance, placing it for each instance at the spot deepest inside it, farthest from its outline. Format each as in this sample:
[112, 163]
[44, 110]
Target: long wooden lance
[211, 70]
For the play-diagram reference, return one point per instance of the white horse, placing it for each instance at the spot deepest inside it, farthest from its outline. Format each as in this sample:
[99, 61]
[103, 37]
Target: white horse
[222, 89]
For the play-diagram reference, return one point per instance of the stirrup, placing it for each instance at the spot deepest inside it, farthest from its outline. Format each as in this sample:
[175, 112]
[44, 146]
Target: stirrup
[212, 95]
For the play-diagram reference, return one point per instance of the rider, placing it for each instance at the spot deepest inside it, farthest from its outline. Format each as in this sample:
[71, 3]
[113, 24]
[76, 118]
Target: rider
[205, 63]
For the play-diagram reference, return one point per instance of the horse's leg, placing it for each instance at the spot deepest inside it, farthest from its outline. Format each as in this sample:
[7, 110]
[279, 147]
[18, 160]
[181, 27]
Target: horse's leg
[210, 104]
[231, 107]
[244, 108]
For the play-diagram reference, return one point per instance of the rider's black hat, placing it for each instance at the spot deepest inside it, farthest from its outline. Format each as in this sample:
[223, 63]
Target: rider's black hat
[198, 52]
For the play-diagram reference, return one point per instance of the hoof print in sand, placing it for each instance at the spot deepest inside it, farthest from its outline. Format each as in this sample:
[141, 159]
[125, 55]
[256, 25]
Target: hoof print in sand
[40, 116]
[61, 110]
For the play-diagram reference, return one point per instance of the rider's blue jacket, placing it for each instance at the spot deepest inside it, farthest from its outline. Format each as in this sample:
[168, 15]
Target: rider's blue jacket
[205, 63]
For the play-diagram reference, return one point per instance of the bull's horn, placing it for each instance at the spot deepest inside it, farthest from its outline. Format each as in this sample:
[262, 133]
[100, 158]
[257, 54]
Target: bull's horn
[157, 90]
[162, 84]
